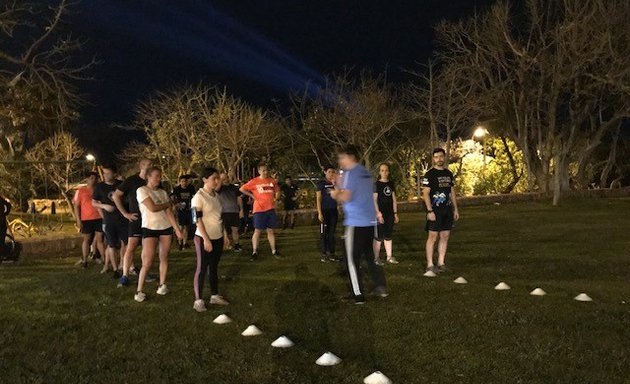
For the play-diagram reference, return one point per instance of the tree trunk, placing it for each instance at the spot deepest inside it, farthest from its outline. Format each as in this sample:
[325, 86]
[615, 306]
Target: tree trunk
[612, 157]
[513, 168]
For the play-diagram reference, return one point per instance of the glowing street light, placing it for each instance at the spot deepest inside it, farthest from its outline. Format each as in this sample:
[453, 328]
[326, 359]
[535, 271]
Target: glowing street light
[90, 157]
[480, 132]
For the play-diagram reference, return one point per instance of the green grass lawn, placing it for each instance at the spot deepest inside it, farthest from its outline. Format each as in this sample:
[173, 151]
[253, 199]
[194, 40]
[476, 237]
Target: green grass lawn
[62, 324]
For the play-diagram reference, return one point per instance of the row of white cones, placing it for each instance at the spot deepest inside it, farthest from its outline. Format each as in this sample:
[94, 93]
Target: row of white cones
[504, 287]
[327, 359]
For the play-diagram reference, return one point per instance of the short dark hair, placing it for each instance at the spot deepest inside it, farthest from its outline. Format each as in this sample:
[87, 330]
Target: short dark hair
[329, 166]
[208, 171]
[438, 150]
[150, 170]
[111, 167]
[91, 173]
[262, 165]
[350, 150]
[184, 177]
[288, 177]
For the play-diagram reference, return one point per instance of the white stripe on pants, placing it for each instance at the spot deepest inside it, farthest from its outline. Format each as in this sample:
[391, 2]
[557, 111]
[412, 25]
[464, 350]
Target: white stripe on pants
[352, 269]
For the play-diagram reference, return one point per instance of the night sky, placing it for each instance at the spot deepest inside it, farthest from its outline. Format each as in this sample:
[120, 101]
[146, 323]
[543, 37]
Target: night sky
[260, 50]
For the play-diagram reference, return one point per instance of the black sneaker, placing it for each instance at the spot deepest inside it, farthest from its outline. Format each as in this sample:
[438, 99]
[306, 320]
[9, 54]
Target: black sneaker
[442, 268]
[254, 256]
[277, 254]
[333, 258]
[117, 274]
[150, 278]
[324, 258]
[237, 248]
[181, 245]
[85, 264]
[380, 291]
[359, 300]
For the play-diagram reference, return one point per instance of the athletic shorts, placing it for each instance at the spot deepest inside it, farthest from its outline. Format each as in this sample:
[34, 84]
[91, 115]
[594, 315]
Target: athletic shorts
[230, 219]
[116, 232]
[443, 221]
[146, 232]
[384, 231]
[265, 220]
[89, 227]
[184, 217]
[290, 205]
[135, 227]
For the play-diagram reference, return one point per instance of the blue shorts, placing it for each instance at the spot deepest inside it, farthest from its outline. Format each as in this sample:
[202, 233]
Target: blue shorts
[266, 219]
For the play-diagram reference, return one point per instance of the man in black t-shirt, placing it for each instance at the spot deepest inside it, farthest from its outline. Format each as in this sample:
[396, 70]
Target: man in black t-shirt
[182, 196]
[387, 206]
[232, 211]
[127, 191]
[327, 214]
[114, 224]
[289, 198]
[438, 194]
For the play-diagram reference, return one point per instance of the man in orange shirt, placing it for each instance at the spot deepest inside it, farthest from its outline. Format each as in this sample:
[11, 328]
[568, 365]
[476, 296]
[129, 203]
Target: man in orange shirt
[89, 221]
[264, 190]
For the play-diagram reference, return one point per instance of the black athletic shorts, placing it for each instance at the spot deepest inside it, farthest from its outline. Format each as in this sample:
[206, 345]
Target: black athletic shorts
[115, 232]
[89, 227]
[146, 232]
[184, 217]
[290, 205]
[135, 227]
[443, 221]
[230, 219]
[384, 231]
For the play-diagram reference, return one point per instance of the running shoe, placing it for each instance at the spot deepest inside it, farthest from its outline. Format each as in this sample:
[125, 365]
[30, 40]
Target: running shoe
[218, 300]
[139, 297]
[378, 262]
[359, 300]
[442, 268]
[380, 291]
[150, 278]
[85, 264]
[117, 274]
[254, 256]
[200, 306]
[392, 260]
[237, 248]
[162, 290]
[103, 270]
[134, 271]
[433, 269]
[324, 258]
[123, 281]
[277, 254]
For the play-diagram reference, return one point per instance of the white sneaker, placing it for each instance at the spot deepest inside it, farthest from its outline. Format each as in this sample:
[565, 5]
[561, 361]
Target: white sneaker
[392, 260]
[218, 300]
[140, 297]
[104, 270]
[162, 290]
[378, 262]
[199, 306]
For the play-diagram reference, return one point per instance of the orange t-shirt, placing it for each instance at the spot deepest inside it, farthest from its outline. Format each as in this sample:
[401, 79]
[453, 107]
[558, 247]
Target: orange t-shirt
[83, 198]
[264, 191]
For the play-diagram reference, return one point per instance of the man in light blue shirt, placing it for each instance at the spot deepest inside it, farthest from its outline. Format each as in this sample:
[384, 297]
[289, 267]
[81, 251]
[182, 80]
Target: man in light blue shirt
[355, 192]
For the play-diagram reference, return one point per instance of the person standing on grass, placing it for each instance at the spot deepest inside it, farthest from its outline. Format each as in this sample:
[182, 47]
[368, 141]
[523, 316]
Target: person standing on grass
[88, 220]
[327, 214]
[114, 224]
[355, 192]
[158, 222]
[127, 192]
[387, 207]
[206, 209]
[232, 211]
[182, 194]
[438, 195]
[289, 199]
[264, 190]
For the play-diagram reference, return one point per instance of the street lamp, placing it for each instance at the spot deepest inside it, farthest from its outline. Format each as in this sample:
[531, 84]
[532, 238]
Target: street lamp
[480, 134]
[90, 157]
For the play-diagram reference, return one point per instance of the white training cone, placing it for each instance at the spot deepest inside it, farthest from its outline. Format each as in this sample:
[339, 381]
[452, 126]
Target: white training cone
[328, 359]
[460, 280]
[222, 319]
[538, 292]
[282, 342]
[429, 274]
[252, 330]
[582, 297]
[377, 378]
[502, 287]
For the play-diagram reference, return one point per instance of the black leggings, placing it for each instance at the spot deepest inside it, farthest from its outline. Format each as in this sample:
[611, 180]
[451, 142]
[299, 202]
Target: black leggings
[207, 263]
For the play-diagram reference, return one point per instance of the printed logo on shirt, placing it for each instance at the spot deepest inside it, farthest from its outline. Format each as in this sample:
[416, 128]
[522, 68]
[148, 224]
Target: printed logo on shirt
[265, 188]
[444, 181]
[439, 199]
[387, 191]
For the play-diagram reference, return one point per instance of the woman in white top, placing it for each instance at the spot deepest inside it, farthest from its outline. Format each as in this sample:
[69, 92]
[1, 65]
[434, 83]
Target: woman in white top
[206, 209]
[158, 222]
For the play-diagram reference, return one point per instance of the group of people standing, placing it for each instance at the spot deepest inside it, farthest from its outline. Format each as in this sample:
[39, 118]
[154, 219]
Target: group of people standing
[118, 216]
